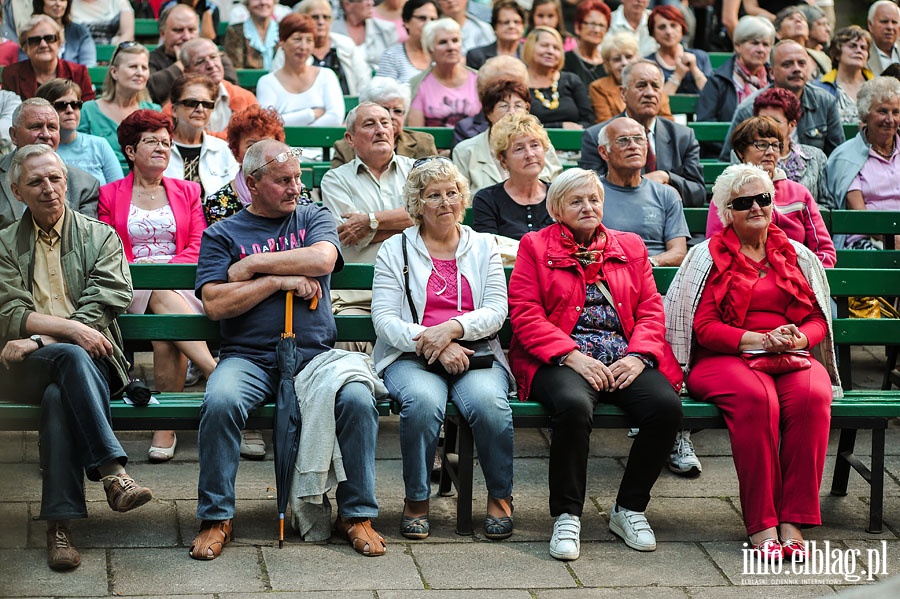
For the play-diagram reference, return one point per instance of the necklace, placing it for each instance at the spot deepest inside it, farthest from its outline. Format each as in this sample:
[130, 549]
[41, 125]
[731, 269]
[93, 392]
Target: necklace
[882, 154]
[553, 104]
[146, 193]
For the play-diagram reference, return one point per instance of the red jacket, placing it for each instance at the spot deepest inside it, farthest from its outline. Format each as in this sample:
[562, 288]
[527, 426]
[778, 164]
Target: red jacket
[19, 77]
[184, 198]
[547, 293]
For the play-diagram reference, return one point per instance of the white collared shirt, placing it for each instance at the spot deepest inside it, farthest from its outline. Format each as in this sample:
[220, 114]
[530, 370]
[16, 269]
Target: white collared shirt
[221, 114]
[646, 44]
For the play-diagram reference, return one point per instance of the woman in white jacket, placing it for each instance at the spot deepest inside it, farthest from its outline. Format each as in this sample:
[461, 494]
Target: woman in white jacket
[197, 156]
[453, 291]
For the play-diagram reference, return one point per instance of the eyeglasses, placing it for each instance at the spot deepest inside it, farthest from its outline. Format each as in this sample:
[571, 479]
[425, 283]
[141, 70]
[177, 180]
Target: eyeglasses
[122, 46]
[452, 198]
[765, 146]
[281, 158]
[597, 26]
[744, 203]
[35, 40]
[152, 142]
[62, 105]
[194, 104]
[517, 106]
[395, 111]
[427, 159]
[199, 62]
[626, 140]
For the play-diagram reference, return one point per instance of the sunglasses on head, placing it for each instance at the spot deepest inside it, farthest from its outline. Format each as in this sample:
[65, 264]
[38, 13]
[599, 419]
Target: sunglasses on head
[193, 104]
[744, 203]
[61, 105]
[427, 159]
[35, 40]
[122, 46]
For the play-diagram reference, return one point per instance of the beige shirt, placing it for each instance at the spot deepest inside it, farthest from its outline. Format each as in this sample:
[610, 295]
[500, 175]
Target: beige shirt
[352, 188]
[48, 284]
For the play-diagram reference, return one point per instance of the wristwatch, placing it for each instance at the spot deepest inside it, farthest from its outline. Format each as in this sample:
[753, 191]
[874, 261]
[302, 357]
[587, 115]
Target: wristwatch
[37, 339]
[373, 222]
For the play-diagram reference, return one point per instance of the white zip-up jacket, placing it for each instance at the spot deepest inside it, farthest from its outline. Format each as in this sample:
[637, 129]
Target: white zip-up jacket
[477, 259]
[217, 164]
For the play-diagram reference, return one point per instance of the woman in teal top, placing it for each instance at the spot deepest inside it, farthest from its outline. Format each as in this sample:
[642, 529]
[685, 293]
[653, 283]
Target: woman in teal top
[124, 91]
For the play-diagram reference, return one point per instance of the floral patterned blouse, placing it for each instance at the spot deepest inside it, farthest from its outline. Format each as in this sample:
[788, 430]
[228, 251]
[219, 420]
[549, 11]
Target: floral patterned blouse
[225, 202]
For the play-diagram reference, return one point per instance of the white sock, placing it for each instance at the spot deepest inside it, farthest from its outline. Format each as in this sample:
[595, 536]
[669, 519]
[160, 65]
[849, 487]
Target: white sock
[110, 468]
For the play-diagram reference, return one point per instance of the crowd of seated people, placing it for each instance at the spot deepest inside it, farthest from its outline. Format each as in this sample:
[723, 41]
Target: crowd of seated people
[174, 151]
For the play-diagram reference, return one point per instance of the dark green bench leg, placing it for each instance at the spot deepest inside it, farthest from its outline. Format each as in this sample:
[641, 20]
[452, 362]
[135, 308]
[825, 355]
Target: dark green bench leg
[876, 491]
[890, 365]
[465, 444]
[842, 465]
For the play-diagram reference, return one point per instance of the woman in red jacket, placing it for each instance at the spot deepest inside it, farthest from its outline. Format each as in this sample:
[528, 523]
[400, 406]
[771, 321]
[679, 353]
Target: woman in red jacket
[159, 220]
[588, 326]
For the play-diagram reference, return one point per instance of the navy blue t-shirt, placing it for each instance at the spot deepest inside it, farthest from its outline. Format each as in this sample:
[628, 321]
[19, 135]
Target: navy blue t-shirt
[254, 334]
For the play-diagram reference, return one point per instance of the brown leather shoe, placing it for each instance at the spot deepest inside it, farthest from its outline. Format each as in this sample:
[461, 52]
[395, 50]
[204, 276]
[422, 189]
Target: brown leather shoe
[61, 553]
[123, 494]
[211, 540]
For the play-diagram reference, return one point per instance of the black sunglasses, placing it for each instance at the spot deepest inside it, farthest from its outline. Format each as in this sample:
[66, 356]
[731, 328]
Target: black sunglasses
[122, 46]
[35, 40]
[193, 104]
[744, 203]
[61, 105]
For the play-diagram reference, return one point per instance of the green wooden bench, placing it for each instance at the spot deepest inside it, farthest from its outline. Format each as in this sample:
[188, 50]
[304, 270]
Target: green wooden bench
[717, 59]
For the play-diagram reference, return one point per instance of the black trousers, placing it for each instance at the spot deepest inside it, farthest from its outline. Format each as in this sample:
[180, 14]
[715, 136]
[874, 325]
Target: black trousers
[649, 402]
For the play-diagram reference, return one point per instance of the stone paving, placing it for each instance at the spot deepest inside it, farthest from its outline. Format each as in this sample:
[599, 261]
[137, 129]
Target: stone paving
[697, 523]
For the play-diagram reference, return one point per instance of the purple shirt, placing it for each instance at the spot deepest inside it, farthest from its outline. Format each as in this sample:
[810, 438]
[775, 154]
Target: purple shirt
[877, 180]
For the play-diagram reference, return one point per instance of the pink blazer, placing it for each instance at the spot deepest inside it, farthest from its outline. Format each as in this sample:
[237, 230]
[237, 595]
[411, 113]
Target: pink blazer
[184, 198]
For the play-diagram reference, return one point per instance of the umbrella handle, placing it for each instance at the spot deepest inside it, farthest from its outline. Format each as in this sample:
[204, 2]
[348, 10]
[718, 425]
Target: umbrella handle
[289, 313]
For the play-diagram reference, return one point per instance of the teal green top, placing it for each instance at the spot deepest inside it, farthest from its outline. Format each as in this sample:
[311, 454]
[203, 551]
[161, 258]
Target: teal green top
[93, 121]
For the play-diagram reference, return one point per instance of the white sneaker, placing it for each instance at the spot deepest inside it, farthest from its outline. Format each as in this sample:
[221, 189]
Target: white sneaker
[565, 544]
[682, 459]
[633, 528]
[633, 432]
[193, 375]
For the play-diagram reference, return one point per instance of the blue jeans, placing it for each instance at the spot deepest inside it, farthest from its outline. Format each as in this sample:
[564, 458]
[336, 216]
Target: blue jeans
[234, 389]
[479, 395]
[75, 431]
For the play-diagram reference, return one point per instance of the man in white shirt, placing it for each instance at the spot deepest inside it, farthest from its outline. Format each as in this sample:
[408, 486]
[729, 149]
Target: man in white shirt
[884, 25]
[475, 32]
[631, 16]
[366, 197]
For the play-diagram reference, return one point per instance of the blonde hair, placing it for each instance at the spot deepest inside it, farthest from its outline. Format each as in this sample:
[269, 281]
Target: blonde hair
[621, 41]
[437, 169]
[109, 84]
[515, 125]
[568, 181]
[730, 183]
[531, 41]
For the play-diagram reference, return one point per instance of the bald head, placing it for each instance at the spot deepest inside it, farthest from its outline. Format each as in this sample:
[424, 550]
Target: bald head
[178, 25]
[202, 56]
[790, 66]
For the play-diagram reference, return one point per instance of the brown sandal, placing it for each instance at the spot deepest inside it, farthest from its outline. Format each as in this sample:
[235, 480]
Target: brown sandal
[211, 540]
[360, 533]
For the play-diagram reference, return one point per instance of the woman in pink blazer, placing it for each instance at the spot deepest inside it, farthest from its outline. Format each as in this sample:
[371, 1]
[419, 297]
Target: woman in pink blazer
[160, 220]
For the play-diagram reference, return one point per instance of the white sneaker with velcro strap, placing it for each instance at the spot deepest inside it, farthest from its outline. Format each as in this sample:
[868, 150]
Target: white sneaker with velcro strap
[565, 543]
[633, 528]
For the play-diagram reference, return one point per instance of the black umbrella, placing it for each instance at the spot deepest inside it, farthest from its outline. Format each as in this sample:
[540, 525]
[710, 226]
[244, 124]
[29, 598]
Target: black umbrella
[286, 436]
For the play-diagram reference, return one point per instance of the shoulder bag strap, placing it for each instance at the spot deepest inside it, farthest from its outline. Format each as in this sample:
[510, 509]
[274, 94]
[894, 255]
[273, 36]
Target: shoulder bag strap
[412, 308]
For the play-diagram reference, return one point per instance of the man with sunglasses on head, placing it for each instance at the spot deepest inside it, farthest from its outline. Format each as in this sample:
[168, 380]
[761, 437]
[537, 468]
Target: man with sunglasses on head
[365, 197]
[247, 263]
[35, 121]
[178, 24]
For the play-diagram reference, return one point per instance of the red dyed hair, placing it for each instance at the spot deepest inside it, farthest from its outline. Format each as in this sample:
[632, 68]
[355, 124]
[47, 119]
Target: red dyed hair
[295, 23]
[667, 12]
[586, 7]
[138, 122]
[262, 123]
[778, 98]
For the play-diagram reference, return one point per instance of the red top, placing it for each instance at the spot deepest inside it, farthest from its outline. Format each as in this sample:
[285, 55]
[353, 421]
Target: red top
[19, 77]
[9, 53]
[547, 292]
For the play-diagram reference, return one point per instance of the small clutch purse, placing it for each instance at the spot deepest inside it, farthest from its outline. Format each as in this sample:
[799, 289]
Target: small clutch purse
[778, 363]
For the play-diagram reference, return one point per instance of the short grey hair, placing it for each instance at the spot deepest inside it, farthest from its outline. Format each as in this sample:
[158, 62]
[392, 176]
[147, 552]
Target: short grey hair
[753, 28]
[729, 184]
[258, 154]
[190, 47]
[603, 137]
[307, 6]
[31, 151]
[786, 12]
[433, 28]
[36, 102]
[385, 89]
[619, 41]
[568, 181]
[350, 121]
[878, 4]
[812, 13]
[437, 169]
[36, 20]
[876, 90]
[626, 72]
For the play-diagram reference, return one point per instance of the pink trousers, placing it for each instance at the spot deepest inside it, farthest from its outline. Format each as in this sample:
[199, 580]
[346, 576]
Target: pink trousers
[779, 434]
